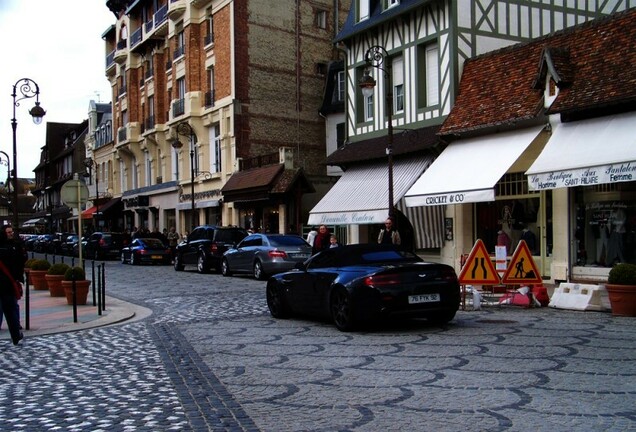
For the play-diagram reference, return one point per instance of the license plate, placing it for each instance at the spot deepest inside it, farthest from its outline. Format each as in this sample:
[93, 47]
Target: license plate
[423, 298]
[157, 257]
[302, 256]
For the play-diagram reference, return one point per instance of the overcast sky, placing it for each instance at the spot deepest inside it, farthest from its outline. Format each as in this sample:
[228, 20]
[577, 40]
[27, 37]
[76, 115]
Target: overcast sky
[58, 44]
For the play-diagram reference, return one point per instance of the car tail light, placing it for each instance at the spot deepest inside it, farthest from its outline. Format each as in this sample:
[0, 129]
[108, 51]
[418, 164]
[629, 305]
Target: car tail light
[277, 254]
[143, 251]
[102, 242]
[385, 279]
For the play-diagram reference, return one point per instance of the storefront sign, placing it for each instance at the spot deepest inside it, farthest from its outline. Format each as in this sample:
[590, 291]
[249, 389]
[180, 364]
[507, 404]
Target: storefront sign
[614, 173]
[349, 218]
[462, 197]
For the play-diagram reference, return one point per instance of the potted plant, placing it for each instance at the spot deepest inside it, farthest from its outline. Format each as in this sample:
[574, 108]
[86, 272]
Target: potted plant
[77, 276]
[39, 268]
[54, 277]
[621, 288]
[27, 268]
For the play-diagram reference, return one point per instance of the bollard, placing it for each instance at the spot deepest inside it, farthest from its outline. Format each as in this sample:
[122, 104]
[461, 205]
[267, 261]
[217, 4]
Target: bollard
[103, 286]
[99, 290]
[93, 281]
[74, 289]
[27, 305]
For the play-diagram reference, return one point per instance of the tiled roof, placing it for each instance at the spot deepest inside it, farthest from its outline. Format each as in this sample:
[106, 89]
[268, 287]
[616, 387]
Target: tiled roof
[404, 142]
[254, 178]
[288, 178]
[594, 62]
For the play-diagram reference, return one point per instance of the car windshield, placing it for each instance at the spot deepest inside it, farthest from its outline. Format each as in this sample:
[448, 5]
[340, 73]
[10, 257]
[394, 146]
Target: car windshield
[287, 241]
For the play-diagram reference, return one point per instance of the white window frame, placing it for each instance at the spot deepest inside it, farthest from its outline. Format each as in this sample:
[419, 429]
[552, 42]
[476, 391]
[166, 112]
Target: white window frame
[397, 81]
[363, 10]
[432, 74]
[340, 86]
[215, 149]
[148, 163]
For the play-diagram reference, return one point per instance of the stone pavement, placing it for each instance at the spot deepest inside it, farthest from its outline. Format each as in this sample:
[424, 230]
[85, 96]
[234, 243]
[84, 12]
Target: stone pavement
[211, 358]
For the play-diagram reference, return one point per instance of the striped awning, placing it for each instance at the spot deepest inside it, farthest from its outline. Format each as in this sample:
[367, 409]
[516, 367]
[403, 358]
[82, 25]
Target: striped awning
[428, 224]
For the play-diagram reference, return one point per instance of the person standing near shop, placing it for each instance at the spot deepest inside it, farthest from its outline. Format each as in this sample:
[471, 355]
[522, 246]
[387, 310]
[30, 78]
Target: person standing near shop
[389, 235]
[173, 239]
[322, 240]
[12, 259]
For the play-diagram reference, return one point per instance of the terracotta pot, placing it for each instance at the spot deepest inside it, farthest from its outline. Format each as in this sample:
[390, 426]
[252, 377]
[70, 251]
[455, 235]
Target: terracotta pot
[81, 288]
[38, 279]
[54, 282]
[622, 299]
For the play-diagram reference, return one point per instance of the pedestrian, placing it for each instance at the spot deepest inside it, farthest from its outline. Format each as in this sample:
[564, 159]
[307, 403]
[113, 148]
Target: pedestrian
[389, 235]
[333, 241]
[321, 241]
[12, 259]
[173, 239]
[313, 232]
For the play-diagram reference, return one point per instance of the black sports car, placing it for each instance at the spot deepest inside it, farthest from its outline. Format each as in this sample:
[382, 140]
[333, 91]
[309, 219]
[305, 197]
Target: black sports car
[359, 283]
[146, 250]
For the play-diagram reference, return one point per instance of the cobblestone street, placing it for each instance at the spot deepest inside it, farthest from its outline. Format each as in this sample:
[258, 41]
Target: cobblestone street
[210, 357]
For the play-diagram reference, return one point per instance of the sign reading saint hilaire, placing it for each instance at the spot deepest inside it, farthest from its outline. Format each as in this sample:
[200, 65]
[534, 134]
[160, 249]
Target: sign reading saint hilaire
[522, 269]
[479, 269]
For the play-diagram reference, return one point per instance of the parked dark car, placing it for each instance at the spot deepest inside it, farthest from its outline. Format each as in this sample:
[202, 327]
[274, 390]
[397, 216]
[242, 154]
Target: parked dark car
[104, 245]
[67, 246]
[356, 284]
[265, 254]
[43, 243]
[205, 246]
[146, 251]
[29, 241]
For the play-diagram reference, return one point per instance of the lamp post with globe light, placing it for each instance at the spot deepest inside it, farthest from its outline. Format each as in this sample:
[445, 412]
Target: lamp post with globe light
[24, 88]
[185, 129]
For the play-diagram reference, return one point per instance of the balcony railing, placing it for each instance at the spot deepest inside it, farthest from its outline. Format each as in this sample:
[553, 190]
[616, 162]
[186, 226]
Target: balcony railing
[180, 51]
[122, 44]
[122, 90]
[136, 37]
[149, 26]
[122, 134]
[110, 59]
[149, 73]
[161, 15]
[209, 98]
[178, 107]
[208, 40]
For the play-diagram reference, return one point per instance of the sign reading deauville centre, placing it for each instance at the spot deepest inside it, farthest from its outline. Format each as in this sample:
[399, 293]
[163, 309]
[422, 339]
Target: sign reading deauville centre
[614, 173]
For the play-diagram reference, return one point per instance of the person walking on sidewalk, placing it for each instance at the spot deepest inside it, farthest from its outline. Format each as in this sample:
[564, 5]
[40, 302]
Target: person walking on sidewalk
[389, 234]
[12, 259]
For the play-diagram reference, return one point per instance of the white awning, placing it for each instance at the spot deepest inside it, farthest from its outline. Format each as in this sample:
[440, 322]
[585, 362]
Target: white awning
[587, 152]
[361, 195]
[33, 222]
[468, 170]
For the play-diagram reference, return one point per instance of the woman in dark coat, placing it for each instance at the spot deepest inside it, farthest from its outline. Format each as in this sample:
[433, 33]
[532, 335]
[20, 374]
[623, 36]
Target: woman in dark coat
[322, 240]
[13, 257]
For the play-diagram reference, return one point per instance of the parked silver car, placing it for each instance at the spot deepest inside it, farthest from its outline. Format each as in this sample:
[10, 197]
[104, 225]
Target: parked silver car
[265, 254]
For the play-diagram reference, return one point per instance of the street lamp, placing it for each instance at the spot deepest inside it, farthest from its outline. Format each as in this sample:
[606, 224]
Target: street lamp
[374, 57]
[90, 164]
[185, 129]
[28, 89]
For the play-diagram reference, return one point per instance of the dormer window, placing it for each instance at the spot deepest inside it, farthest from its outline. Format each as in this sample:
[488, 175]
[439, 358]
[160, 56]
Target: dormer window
[363, 10]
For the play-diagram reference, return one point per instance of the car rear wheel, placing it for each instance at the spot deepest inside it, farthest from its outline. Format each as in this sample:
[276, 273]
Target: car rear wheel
[276, 302]
[342, 310]
[123, 258]
[202, 265]
[178, 265]
[225, 268]
[259, 274]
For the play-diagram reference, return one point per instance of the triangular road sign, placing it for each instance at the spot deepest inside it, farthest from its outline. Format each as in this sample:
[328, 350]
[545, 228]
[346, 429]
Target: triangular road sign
[479, 269]
[522, 269]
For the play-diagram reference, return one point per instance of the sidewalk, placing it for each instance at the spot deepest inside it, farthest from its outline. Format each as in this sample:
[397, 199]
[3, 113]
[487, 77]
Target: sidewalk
[49, 315]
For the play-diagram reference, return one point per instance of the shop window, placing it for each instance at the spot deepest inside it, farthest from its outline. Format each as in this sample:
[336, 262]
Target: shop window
[605, 225]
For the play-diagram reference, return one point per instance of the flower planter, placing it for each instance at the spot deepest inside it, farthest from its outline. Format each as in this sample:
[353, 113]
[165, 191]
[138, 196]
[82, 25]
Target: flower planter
[622, 299]
[38, 279]
[81, 288]
[54, 282]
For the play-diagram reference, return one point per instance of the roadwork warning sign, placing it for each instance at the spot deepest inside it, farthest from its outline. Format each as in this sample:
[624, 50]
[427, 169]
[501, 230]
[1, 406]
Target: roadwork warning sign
[479, 269]
[522, 269]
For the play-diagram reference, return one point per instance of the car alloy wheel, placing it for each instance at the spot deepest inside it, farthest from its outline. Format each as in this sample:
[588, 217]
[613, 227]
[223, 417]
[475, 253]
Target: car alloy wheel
[177, 263]
[259, 274]
[225, 268]
[202, 266]
[276, 302]
[341, 310]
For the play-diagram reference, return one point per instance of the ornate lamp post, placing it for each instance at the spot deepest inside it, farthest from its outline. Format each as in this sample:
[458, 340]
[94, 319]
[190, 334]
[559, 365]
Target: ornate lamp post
[27, 89]
[374, 57]
[186, 130]
[90, 163]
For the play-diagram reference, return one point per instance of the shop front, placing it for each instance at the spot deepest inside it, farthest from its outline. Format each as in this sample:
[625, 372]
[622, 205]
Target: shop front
[481, 182]
[590, 167]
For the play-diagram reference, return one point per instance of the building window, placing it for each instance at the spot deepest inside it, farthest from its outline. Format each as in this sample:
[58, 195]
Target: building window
[180, 48]
[215, 153]
[123, 181]
[209, 95]
[340, 134]
[390, 3]
[148, 168]
[398, 84]
[363, 10]
[428, 66]
[209, 37]
[321, 19]
[368, 108]
[340, 86]
[135, 177]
